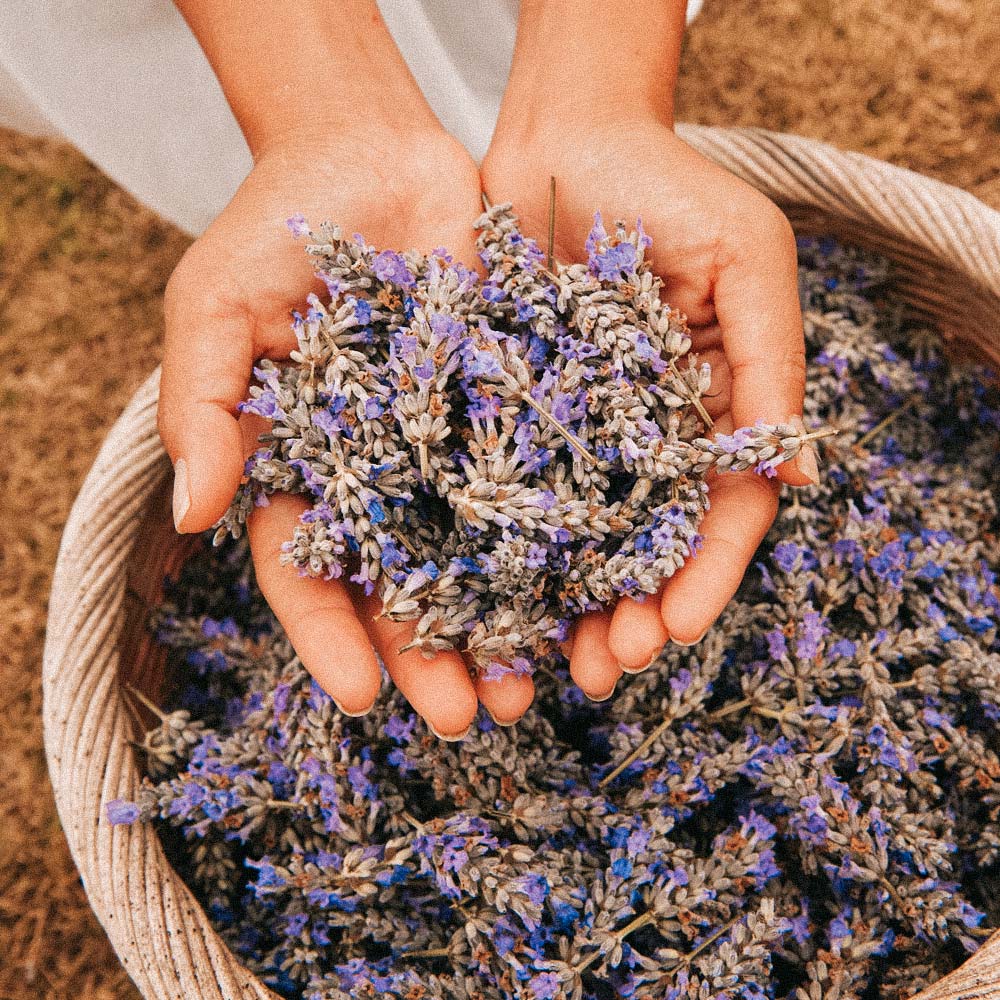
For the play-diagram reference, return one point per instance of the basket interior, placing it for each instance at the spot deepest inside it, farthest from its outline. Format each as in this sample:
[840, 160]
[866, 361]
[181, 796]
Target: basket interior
[936, 291]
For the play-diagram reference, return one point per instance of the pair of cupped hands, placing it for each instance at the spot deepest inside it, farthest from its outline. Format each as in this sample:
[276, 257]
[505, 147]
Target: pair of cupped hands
[726, 255]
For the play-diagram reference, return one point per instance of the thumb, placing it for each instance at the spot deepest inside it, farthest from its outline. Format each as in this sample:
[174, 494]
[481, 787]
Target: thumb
[207, 361]
[757, 306]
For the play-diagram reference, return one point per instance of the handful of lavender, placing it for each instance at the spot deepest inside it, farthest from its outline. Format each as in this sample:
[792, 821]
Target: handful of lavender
[500, 455]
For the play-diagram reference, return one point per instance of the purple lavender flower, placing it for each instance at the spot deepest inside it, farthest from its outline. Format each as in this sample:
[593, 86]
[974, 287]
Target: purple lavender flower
[615, 263]
[391, 267]
[297, 225]
[777, 645]
[122, 812]
[544, 986]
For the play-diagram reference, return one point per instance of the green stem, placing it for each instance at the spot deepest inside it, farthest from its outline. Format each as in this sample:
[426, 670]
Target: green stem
[413, 821]
[823, 432]
[426, 953]
[721, 713]
[707, 943]
[731, 709]
[692, 397]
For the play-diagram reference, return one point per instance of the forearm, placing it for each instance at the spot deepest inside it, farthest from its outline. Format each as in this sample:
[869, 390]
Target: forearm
[594, 58]
[286, 67]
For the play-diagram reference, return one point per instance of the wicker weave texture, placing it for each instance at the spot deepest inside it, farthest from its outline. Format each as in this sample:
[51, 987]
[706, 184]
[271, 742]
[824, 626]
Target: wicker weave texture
[946, 246]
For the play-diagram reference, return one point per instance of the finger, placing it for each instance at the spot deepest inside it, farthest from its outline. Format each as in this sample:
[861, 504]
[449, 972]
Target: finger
[252, 426]
[743, 508]
[566, 645]
[209, 350]
[706, 346]
[757, 305]
[506, 699]
[318, 615]
[686, 287]
[637, 634]
[438, 688]
[592, 665]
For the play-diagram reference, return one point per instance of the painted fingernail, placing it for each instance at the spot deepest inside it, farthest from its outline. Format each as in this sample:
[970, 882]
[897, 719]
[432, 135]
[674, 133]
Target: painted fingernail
[182, 493]
[451, 739]
[808, 463]
[688, 645]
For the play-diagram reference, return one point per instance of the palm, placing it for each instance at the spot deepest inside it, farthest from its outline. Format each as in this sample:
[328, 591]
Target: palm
[228, 304]
[728, 261]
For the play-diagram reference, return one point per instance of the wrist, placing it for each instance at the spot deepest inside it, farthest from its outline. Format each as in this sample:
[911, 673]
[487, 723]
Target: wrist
[329, 108]
[317, 127]
[347, 149]
[586, 64]
[561, 135]
[288, 67]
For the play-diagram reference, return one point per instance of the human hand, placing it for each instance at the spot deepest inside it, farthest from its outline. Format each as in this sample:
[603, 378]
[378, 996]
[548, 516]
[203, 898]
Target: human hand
[727, 257]
[228, 303]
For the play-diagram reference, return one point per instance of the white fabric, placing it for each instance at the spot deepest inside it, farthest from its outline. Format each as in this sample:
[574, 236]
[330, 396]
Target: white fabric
[126, 82]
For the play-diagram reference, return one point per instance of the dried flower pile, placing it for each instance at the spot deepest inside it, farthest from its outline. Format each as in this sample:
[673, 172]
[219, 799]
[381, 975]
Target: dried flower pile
[804, 805]
[496, 455]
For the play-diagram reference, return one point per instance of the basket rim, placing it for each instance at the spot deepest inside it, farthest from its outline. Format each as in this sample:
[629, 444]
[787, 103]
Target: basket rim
[160, 933]
[862, 188]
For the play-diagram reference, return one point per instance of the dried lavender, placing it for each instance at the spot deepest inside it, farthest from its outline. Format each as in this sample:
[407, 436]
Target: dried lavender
[805, 805]
[495, 455]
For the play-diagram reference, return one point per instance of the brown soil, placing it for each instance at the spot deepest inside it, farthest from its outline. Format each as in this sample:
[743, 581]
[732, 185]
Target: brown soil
[82, 272]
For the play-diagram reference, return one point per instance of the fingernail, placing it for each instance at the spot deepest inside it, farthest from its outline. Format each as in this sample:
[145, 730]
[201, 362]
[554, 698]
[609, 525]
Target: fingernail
[688, 645]
[606, 696]
[638, 670]
[808, 463]
[182, 493]
[451, 739]
[502, 725]
[350, 715]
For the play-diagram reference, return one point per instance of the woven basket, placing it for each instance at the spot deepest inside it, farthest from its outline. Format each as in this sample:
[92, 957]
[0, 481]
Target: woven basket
[119, 542]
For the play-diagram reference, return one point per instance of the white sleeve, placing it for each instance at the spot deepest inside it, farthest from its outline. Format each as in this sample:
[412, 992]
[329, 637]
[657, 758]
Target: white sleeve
[128, 84]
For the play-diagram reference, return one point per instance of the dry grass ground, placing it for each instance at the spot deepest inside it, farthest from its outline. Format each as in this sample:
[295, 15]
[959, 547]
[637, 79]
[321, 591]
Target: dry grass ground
[82, 271]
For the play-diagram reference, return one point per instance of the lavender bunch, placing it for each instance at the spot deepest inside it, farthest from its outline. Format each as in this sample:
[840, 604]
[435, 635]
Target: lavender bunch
[805, 806]
[498, 455]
